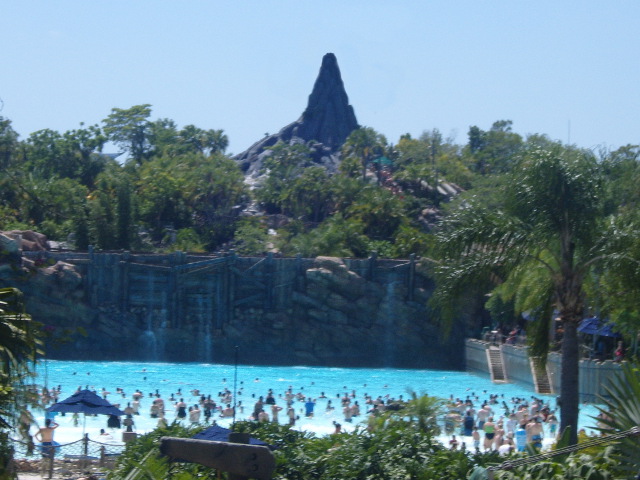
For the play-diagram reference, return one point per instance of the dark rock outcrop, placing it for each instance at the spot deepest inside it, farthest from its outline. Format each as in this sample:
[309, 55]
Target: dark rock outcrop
[324, 126]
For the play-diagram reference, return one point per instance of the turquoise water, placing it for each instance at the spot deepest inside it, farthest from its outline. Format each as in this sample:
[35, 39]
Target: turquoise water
[180, 379]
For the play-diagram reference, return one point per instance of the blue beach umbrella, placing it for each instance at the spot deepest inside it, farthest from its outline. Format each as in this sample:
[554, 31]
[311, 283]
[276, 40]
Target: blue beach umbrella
[590, 326]
[594, 326]
[87, 402]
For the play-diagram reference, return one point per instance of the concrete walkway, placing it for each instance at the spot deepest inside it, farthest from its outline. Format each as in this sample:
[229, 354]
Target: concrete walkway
[61, 470]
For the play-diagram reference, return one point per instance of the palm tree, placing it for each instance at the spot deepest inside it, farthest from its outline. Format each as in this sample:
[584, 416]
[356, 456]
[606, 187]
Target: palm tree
[18, 350]
[419, 412]
[621, 412]
[541, 245]
[18, 341]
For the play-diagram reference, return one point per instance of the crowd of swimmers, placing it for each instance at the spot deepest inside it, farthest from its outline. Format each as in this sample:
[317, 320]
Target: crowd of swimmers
[484, 425]
[497, 425]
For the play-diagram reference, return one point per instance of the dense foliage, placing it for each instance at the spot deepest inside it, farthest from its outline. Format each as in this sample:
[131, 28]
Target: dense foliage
[171, 188]
[621, 412]
[18, 350]
[395, 451]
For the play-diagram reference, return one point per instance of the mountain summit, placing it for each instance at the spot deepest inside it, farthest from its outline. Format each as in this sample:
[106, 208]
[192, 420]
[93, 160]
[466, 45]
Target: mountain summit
[324, 125]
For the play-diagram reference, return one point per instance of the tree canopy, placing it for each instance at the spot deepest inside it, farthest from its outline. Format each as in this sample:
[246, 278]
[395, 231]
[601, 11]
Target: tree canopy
[538, 246]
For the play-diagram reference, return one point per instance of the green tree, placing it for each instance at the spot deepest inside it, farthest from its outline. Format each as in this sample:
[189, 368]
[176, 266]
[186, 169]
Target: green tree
[379, 211]
[282, 167]
[251, 236]
[191, 191]
[47, 204]
[131, 130]
[420, 413]
[124, 227]
[8, 142]
[82, 148]
[206, 142]
[336, 236]
[162, 196]
[110, 211]
[550, 227]
[622, 169]
[616, 286]
[493, 151]
[163, 137]
[74, 154]
[214, 190]
[309, 195]
[364, 145]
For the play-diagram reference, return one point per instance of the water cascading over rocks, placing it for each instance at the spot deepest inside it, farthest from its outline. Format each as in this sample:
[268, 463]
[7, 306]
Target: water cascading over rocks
[324, 125]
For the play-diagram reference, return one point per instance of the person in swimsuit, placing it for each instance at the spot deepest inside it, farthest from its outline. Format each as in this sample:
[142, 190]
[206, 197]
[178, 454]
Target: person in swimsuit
[45, 436]
[181, 408]
[534, 432]
[489, 432]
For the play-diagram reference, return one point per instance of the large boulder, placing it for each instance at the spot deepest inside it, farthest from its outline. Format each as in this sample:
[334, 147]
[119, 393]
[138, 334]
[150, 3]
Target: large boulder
[26, 240]
[9, 245]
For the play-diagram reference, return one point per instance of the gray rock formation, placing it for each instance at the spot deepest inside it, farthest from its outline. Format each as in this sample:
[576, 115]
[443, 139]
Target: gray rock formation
[27, 240]
[278, 311]
[324, 126]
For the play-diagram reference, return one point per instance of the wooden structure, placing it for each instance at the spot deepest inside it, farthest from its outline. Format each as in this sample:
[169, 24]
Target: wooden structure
[540, 375]
[241, 461]
[179, 285]
[496, 364]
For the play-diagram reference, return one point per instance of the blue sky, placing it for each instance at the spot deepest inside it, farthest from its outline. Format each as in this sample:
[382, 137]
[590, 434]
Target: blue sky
[568, 69]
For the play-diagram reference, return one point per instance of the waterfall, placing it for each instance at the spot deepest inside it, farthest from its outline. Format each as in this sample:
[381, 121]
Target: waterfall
[154, 336]
[162, 324]
[148, 340]
[205, 344]
[389, 313]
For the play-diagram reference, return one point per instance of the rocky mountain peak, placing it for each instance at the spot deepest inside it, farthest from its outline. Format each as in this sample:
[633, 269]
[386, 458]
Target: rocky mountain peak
[324, 125]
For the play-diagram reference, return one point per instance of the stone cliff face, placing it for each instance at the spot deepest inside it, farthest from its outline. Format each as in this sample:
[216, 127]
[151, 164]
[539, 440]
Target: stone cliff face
[342, 319]
[324, 125]
[278, 311]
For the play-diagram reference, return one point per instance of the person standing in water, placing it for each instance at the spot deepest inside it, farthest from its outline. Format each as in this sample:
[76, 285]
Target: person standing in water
[45, 437]
[181, 409]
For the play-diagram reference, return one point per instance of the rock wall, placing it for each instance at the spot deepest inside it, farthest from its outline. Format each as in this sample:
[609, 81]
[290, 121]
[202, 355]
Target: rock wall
[277, 311]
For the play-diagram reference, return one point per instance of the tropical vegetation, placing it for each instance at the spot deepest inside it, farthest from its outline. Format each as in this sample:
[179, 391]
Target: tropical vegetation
[18, 351]
[548, 234]
[506, 224]
[620, 412]
[394, 449]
